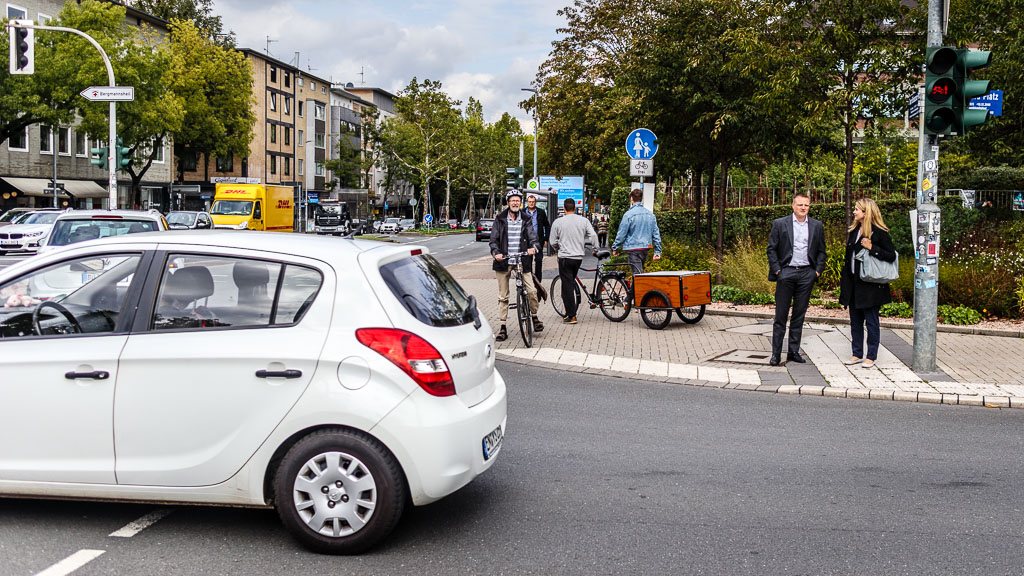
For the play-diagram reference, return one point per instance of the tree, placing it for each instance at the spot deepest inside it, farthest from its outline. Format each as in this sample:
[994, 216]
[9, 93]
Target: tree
[346, 168]
[199, 12]
[215, 85]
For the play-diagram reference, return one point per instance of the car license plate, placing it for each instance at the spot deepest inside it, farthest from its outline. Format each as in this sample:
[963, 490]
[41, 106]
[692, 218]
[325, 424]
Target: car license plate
[492, 443]
[10, 244]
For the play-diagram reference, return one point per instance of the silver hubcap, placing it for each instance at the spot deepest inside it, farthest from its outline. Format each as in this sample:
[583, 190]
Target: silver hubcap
[335, 494]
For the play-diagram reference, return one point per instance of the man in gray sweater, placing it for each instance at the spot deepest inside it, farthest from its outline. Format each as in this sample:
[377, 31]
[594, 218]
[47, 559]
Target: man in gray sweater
[569, 235]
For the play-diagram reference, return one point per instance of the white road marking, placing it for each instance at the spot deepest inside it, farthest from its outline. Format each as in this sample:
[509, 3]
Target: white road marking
[133, 528]
[72, 563]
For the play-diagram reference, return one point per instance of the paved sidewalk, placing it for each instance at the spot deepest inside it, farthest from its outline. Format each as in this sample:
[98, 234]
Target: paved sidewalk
[732, 352]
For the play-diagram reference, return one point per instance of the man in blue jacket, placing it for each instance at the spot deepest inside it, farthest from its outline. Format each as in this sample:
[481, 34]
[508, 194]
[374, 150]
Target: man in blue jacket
[637, 231]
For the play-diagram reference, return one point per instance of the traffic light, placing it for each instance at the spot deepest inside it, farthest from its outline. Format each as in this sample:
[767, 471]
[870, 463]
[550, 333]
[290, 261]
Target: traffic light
[123, 154]
[514, 177]
[966, 62]
[22, 48]
[101, 160]
[940, 90]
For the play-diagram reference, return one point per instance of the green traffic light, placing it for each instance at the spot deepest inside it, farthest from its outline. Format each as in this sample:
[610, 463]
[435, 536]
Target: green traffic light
[967, 62]
[99, 157]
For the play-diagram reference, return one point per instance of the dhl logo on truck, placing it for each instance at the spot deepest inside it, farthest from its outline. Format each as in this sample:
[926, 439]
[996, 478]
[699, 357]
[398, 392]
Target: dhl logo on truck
[233, 191]
[284, 203]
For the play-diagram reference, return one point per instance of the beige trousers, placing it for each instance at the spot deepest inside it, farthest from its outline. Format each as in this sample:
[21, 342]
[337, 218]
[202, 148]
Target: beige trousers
[531, 293]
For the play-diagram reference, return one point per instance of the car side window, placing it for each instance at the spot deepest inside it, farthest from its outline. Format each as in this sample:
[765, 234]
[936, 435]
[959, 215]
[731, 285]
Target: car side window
[298, 290]
[257, 212]
[80, 296]
[199, 291]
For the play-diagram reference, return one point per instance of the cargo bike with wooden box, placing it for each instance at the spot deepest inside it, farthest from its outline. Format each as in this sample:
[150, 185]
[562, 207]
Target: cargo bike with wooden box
[658, 294]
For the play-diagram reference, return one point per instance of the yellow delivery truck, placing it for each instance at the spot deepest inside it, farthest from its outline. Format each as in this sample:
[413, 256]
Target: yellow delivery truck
[253, 207]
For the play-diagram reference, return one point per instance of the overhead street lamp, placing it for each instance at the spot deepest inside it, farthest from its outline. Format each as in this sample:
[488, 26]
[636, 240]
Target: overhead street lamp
[536, 95]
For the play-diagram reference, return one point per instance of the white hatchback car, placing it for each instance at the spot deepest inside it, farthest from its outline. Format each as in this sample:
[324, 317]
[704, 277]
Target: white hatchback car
[25, 235]
[336, 382]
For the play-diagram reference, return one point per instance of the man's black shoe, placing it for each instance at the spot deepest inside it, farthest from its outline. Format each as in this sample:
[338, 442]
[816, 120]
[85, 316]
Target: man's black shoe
[502, 334]
[795, 357]
[538, 326]
[773, 361]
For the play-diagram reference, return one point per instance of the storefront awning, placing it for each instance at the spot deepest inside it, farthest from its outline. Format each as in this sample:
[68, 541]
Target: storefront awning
[77, 188]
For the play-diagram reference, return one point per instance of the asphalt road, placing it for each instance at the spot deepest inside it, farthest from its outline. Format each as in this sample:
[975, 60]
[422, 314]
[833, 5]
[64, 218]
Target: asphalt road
[611, 476]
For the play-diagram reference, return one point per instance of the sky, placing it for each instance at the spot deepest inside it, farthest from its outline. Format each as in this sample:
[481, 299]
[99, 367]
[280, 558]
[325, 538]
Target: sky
[487, 49]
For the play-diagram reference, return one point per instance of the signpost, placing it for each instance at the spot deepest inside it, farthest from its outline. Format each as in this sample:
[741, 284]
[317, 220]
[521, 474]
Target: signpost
[641, 168]
[641, 144]
[109, 93]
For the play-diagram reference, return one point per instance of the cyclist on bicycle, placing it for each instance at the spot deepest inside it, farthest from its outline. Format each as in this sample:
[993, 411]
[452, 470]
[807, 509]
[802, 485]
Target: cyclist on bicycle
[569, 235]
[513, 232]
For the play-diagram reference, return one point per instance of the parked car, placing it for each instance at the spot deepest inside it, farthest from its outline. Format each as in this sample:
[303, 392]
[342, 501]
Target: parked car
[406, 224]
[9, 217]
[186, 220]
[238, 383]
[27, 231]
[390, 226]
[82, 225]
[483, 229]
[453, 223]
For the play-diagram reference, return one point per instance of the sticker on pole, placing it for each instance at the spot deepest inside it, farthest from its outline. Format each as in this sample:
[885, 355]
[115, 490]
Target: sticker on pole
[533, 184]
[109, 93]
[641, 144]
[926, 184]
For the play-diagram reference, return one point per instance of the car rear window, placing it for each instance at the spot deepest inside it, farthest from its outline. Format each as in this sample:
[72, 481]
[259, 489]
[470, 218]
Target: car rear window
[427, 291]
[70, 231]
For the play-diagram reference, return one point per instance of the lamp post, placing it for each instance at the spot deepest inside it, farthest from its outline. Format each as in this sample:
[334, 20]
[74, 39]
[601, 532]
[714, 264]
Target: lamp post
[536, 95]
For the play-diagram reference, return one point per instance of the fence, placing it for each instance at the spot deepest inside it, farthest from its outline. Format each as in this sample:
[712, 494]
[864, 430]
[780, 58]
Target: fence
[684, 197]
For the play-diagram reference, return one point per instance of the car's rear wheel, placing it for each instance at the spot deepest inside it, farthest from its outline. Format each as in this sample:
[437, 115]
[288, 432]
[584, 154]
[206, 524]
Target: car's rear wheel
[339, 492]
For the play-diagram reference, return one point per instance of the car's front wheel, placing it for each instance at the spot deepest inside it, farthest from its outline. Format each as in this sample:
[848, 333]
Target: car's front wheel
[339, 492]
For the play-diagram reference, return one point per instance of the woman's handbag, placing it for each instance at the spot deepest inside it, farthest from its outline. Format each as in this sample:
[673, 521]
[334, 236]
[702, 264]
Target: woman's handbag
[878, 271]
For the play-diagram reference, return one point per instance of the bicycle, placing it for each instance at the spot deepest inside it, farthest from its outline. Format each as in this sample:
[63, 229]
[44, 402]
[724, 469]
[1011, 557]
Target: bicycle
[522, 303]
[610, 292]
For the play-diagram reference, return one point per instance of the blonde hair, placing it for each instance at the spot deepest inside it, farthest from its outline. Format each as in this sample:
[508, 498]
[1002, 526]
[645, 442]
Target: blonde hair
[872, 217]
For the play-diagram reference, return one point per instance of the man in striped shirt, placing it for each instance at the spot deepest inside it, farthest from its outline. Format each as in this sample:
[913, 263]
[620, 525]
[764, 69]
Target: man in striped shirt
[511, 233]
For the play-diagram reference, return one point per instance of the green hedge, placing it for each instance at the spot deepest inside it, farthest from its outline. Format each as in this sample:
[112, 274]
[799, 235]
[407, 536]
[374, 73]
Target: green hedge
[986, 178]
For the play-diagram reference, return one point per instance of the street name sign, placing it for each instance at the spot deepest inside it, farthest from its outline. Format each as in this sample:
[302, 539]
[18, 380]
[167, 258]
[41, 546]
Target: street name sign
[109, 93]
[993, 102]
[914, 107]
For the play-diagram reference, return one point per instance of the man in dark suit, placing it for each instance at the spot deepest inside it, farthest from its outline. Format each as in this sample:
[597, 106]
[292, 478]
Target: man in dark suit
[542, 227]
[796, 258]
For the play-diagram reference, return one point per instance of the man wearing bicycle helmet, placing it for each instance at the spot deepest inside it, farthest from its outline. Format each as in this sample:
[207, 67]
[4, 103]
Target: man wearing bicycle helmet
[513, 232]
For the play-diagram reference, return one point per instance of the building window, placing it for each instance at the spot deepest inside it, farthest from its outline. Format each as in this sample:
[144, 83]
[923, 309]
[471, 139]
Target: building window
[287, 106]
[273, 133]
[64, 141]
[299, 81]
[226, 164]
[299, 165]
[287, 136]
[273, 164]
[287, 166]
[16, 12]
[273, 101]
[159, 157]
[287, 79]
[312, 86]
[320, 113]
[43, 18]
[319, 168]
[323, 89]
[18, 141]
[190, 160]
[45, 140]
[301, 141]
[273, 74]
[300, 107]
[318, 140]
[81, 144]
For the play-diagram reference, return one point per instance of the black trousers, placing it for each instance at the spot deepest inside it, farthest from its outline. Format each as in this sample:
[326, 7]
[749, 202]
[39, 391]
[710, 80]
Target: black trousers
[567, 270]
[793, 287]
[538, 264]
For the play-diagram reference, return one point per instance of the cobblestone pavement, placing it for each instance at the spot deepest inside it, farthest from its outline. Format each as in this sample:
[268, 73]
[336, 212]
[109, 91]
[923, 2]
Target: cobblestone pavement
[732, 352]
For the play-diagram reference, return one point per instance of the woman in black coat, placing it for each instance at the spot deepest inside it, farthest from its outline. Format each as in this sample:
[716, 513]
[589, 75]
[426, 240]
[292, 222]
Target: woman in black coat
[864, 299]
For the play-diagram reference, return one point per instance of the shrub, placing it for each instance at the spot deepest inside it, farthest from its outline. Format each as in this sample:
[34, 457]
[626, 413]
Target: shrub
[959, 315]
[897, 309]
[676, 255]
[1020, 295]
[836, 252]
[723, 293]
[619, 205]
[745, 266]
[833, 305]
[983, 282]
[762, 298]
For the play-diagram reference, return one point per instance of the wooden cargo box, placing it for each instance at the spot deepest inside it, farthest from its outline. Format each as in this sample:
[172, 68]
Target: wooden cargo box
[682, 287]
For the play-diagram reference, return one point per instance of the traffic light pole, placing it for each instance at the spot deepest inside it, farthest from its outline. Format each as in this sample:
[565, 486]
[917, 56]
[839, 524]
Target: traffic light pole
[925, 225]
[111, 150]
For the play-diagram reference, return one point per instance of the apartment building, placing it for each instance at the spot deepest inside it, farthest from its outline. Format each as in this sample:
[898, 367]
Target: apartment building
[389, 197]
[32, 160]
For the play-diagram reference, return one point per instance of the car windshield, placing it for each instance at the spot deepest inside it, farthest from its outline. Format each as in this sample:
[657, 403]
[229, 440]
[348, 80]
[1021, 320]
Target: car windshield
[391, 221]
[70, 231]
[428, 291]
[11, 215]
[39, 218]
[186, 218]
[232, 208]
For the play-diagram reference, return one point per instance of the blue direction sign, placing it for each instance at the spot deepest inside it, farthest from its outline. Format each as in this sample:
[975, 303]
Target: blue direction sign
[428, 218]
[914, 107]
[993, 102]
[641, 144]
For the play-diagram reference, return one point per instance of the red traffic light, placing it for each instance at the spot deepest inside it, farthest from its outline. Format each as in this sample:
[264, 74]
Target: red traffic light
[941, 90]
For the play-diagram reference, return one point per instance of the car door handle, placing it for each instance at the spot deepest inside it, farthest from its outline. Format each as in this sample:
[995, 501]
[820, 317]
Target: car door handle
[95, 375]
[279, 374]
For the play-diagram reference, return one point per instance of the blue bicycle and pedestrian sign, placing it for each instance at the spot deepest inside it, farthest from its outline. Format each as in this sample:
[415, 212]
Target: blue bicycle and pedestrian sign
[641, 144]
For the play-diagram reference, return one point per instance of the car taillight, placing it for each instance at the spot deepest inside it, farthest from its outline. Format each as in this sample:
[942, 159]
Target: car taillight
[479, 228]
[413, 355]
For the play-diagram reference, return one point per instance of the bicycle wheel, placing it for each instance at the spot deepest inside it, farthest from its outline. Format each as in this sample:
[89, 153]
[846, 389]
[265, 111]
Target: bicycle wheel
[655, 319]
[614, 298]
[555, 294]
[523, 313]
[691, 314]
